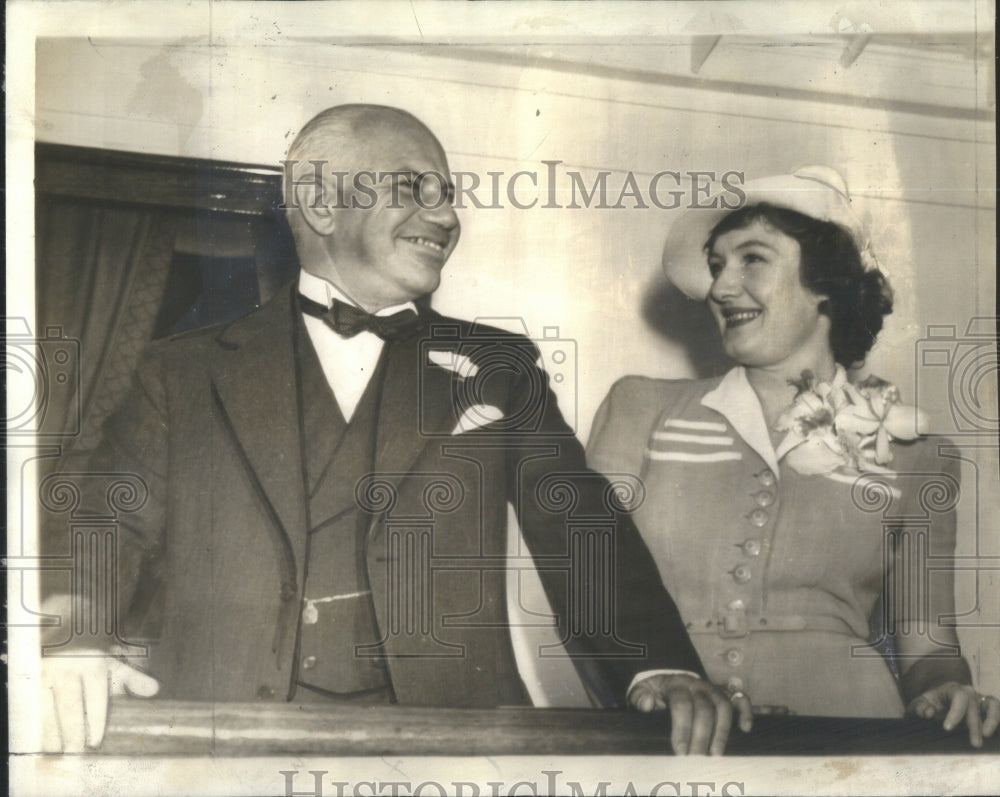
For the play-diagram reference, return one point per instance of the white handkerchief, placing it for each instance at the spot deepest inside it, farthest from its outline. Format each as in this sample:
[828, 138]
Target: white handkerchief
[476, 416]
[453, 361]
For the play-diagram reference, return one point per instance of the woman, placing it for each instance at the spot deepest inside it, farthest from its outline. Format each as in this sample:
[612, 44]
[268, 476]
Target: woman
[770, 490]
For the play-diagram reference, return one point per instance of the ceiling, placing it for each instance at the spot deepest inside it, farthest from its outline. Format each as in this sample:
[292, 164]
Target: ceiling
[941, 74]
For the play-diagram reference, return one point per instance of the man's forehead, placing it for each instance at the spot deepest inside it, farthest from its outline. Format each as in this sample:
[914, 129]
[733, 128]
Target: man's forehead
[402, 147]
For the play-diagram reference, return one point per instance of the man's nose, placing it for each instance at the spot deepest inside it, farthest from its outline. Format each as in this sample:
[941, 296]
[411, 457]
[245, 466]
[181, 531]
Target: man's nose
[444, 216]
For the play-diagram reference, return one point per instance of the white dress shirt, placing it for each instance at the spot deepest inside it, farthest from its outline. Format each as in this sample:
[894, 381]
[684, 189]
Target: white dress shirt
[348, 363]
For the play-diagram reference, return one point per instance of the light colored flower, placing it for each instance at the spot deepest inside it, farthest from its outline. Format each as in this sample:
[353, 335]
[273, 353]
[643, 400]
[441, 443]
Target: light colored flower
[816, 455]
[804, 410]
[845, 428]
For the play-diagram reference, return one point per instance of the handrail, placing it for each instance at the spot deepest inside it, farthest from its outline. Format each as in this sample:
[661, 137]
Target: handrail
[167, 727]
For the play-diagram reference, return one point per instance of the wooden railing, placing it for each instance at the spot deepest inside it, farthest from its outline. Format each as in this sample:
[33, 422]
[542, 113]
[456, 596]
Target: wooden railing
[253, 729]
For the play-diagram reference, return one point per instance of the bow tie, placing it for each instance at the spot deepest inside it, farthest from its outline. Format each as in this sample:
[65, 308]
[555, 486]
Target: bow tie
[347, 320]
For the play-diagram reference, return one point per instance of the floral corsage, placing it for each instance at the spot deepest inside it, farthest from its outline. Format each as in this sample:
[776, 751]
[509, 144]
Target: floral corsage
[838, 428]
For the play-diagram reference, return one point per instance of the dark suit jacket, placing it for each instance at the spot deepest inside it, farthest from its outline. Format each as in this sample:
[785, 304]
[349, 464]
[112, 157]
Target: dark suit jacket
[212, 426]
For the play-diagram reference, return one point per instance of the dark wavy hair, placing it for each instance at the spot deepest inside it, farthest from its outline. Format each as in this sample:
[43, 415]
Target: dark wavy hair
[856, 300]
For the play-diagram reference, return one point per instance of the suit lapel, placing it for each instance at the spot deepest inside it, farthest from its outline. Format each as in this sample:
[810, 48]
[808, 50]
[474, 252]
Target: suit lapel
[415, 409]
[323, 423]
[255, 382]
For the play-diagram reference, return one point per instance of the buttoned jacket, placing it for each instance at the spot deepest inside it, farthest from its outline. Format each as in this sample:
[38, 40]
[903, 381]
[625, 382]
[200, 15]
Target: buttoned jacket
[777, 573]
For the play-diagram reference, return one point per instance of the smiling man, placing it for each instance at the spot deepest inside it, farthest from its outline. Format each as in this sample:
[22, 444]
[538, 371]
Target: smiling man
[329, 479]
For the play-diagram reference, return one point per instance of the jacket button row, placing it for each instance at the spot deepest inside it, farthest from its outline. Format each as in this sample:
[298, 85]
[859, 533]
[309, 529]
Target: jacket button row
[751, 547]
[734, 657]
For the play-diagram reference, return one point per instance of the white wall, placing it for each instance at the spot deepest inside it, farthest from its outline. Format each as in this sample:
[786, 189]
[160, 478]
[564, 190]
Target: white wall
[926, 175]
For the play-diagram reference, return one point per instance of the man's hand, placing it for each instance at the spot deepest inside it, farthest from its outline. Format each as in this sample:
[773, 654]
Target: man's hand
[955, 702]
[75, 697]
[700, 714]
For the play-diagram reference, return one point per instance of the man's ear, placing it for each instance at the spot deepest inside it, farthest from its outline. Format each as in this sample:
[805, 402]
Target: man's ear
[319, 218]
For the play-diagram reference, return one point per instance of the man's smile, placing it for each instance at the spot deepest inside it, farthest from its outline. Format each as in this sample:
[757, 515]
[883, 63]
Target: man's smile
[435, 245]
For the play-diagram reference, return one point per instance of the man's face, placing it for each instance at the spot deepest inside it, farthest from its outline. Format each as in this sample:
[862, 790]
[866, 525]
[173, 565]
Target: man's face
[393, 233]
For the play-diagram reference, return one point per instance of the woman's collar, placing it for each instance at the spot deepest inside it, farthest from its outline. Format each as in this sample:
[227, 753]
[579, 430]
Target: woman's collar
[736, 401]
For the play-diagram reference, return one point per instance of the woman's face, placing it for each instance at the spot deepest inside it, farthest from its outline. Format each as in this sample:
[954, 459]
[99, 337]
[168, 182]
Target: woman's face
[767, 317]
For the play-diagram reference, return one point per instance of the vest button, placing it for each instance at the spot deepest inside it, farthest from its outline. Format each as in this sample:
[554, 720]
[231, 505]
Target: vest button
[287, 591]
[734, 657]
[308, 662]
[766, 478]
[265, 692]
[751, 547]
[734, 684]
[737, 605]
[758, 518]
[764, 498]
[742, 574]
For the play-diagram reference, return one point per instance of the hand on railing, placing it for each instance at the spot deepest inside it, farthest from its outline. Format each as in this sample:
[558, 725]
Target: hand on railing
[955, 702]
[75, 693]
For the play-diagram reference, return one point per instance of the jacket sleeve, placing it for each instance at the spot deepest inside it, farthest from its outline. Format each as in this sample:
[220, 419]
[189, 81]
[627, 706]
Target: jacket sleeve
[616, 616]
[104, 510]
[923, 575]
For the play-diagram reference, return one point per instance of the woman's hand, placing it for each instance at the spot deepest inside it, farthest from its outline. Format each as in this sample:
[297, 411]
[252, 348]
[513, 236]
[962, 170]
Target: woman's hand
[953, 701]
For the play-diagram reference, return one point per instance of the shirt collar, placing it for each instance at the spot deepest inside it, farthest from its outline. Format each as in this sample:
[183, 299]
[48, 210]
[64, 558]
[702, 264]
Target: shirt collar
[324, 292]
[735, 400]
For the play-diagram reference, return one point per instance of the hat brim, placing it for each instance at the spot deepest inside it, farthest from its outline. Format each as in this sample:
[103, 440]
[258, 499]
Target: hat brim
[684, 258]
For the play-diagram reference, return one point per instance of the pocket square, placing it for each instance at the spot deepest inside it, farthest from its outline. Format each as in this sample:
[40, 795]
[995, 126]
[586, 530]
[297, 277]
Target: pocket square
[460, 364]
[476, 416]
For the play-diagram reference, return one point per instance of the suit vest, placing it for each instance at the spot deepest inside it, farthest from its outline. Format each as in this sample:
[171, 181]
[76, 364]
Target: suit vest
[338, 651]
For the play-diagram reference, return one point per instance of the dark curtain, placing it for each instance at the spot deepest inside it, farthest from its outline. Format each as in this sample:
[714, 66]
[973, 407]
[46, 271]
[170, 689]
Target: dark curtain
[100, 272]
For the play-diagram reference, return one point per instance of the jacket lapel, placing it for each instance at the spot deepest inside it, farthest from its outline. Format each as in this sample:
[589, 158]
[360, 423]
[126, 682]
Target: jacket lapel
[255, 382]
[415, 408]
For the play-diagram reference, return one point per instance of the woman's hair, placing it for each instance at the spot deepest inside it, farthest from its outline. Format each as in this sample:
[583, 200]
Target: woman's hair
[856, 299]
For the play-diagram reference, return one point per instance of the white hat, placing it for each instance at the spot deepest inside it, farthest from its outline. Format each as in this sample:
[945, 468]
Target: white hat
[816, 191]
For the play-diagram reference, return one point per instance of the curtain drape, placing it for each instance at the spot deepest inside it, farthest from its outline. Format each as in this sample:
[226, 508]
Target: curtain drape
[100, 272]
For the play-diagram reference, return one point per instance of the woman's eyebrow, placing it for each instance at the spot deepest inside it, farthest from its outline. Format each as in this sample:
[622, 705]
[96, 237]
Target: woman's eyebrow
[743, 245]
[755, 242]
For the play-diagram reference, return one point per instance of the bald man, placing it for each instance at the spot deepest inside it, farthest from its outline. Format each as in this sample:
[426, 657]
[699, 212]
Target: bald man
[329, 480]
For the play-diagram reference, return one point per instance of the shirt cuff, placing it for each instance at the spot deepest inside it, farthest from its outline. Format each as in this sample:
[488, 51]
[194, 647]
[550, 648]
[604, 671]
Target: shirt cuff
[642, 676]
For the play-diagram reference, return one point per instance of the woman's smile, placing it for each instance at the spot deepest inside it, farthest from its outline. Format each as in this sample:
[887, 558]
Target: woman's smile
[766, 316]
[738, 316]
